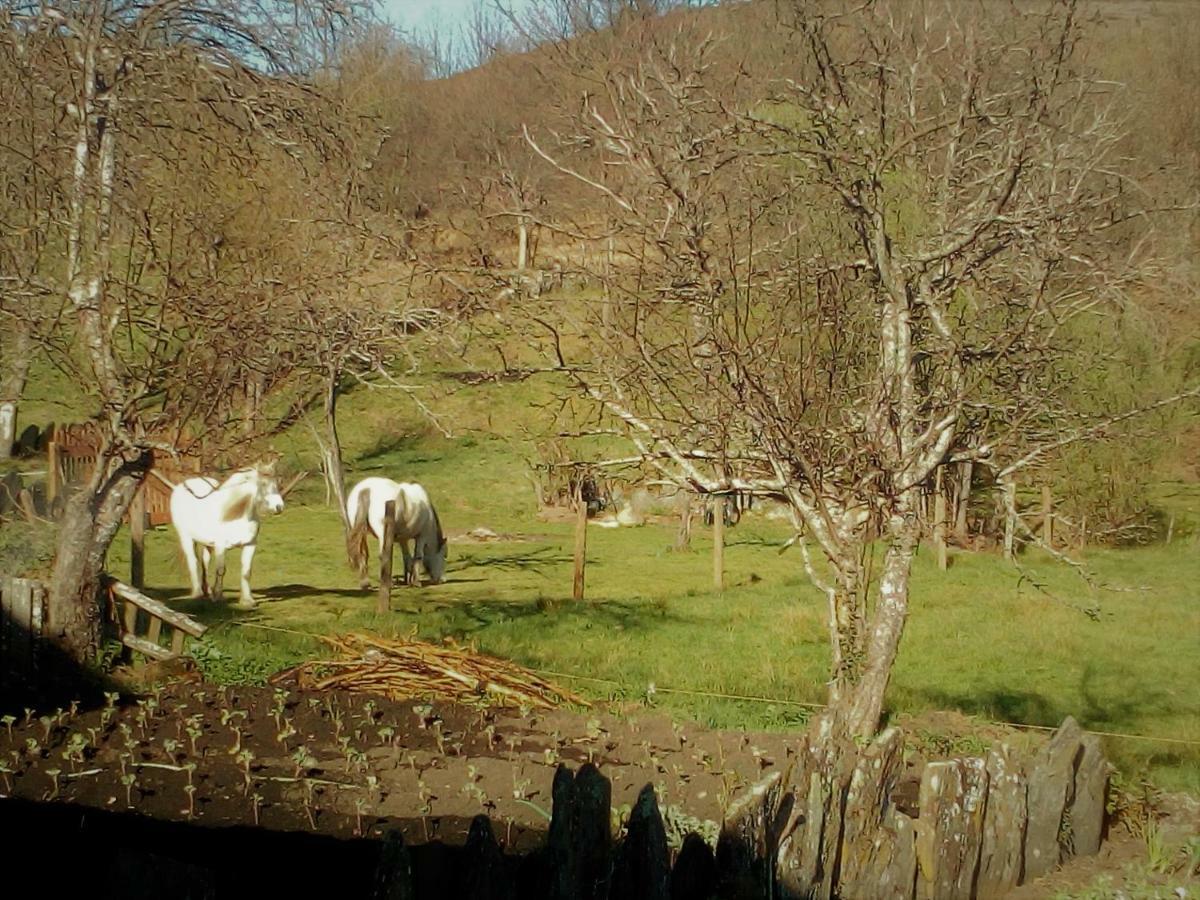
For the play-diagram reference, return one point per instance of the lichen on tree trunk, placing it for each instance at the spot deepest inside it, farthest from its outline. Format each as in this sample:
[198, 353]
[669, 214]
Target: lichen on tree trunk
[85, 532]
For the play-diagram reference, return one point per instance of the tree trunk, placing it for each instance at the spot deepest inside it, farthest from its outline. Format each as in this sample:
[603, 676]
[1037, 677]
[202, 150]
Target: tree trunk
[857, 696]
[85, 532]
[331, 452]
[12, 385]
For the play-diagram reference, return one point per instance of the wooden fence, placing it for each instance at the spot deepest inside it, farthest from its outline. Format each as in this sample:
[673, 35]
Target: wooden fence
[147, 626]
[141, 623]
[71, 456]
[22, 622]
[832, 826]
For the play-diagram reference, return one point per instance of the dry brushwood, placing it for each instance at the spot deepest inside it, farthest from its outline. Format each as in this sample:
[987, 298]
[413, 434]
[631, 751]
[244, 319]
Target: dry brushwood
[403, 667]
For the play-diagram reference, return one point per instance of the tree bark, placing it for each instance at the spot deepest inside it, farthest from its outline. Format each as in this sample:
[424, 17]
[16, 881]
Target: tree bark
[858, 700]
[86, 530]
[331, 452]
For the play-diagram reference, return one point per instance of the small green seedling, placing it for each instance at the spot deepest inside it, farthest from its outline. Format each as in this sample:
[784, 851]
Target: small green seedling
[53, 773]
[8, 721]
[129, 781]
[190, 790]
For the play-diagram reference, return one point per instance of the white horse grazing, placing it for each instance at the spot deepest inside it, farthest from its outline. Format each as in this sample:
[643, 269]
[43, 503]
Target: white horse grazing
[416, 520]
[221, 516]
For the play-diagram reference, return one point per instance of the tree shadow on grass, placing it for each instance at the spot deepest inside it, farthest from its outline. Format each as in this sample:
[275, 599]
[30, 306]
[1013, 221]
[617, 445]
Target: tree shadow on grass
[1112, 710]
[467, 618]
[535, 560]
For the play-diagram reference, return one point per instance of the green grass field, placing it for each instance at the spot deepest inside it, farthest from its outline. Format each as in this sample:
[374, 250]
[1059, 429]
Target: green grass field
[984, 638]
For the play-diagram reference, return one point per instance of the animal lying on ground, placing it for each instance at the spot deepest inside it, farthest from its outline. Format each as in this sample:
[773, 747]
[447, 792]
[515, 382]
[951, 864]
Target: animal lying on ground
[415, 520]
[219, 516]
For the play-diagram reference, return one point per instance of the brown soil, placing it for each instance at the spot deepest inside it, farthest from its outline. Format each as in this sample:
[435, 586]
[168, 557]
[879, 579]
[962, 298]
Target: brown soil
[425, 768]
[370, 764]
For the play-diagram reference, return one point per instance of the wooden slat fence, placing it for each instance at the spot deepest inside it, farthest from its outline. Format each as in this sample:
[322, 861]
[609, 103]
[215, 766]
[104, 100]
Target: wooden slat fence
[829, 827]
[71, 456]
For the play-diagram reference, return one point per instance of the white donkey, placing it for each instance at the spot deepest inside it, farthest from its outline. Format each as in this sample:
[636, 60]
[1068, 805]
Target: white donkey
[218, 517]
[416, 520]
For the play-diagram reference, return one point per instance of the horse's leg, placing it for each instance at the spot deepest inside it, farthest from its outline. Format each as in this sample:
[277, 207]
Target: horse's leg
[218, 586]
[189, 556]
[410, 564]
[247, 560]
[205, 570]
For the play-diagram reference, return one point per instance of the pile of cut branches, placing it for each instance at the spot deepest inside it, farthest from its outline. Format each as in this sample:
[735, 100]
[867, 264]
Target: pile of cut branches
[403, 667]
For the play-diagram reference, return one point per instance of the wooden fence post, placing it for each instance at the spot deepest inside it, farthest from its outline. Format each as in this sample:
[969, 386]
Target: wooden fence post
[137, 539]
[939, 520]
[719, 544]
[1047, 517]
[577, 587]
[53, 471]
[683, 540]
[964, 501]
[384, 601]
[1010, 525]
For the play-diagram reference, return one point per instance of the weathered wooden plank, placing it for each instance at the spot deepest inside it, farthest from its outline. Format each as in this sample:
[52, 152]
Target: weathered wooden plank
[485, 875]
[580, 839]
[143, 646]
[642, 868]
[1050, 786]
[694, 876]
[870, 844]
[1003, 850]
[177, 637]
[809, 839]
[1087, 809]
[154, 632]
[949, 830]
[172, 617]
[591, 833]
[745, 857]
[393, 872]
[18, 601]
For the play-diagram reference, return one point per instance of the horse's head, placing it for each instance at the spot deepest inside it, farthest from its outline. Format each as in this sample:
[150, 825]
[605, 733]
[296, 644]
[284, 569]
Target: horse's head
[433, 557]
[267, 498]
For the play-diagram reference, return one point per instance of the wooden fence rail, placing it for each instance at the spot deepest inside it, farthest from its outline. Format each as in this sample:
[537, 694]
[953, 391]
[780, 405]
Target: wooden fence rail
[140, 621]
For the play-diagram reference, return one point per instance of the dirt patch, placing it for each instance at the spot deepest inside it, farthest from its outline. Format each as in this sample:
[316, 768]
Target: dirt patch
[348, 765]
[352, 766]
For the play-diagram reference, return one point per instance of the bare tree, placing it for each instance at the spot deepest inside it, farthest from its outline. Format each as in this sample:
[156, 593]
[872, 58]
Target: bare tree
[169, 315]
[895, 257]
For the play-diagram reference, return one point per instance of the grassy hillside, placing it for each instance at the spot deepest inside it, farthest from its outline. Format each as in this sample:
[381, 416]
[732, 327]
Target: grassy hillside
[983, 638]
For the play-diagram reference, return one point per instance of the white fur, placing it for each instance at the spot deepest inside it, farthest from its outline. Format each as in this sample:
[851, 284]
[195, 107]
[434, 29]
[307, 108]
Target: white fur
[199, 511]
[416, 520]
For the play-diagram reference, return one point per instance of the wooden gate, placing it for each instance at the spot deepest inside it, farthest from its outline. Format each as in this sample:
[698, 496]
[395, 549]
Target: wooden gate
[72, 454]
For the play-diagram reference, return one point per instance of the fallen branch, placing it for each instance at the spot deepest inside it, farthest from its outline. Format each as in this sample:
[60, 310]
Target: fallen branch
[409, 668]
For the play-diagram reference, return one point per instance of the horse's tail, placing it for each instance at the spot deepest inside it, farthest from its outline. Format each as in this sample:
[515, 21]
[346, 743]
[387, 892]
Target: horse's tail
[356, 537]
